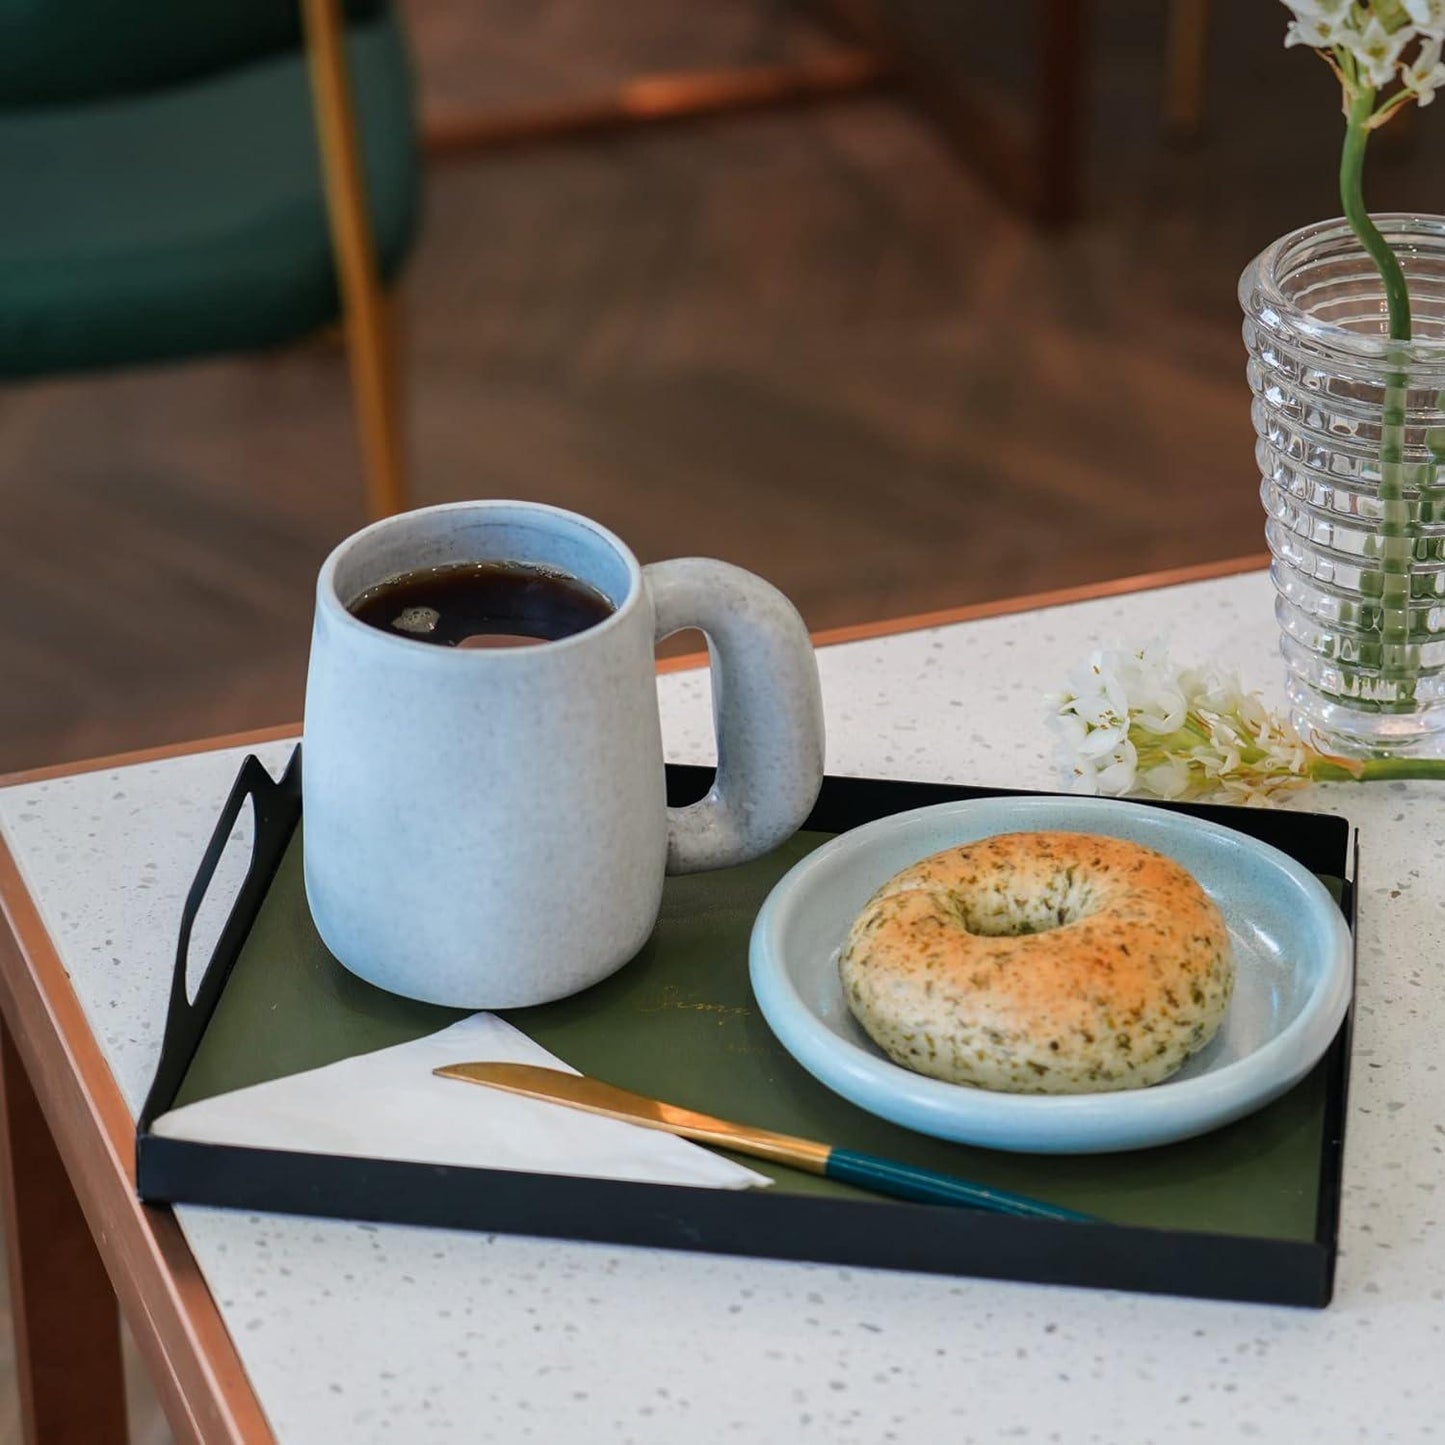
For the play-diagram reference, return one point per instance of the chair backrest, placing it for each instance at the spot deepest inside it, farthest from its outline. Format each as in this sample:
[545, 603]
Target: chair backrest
[61, 52]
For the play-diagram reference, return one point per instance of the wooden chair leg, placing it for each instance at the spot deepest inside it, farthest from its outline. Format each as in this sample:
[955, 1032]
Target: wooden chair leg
[394, 370]
[375, 369]
[67, 1324]
[376, 357]
[1186, 69]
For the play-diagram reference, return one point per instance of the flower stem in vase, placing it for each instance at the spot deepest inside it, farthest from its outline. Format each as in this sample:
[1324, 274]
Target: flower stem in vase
[1398, 660]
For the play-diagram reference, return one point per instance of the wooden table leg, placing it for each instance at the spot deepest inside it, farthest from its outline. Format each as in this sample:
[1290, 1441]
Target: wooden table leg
[67, 1325]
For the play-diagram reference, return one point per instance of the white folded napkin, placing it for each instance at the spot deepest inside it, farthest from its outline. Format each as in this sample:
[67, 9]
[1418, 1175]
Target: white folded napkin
[389, 1105]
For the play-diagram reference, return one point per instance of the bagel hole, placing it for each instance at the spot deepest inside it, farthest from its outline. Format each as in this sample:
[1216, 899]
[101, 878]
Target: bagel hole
[1016, 910]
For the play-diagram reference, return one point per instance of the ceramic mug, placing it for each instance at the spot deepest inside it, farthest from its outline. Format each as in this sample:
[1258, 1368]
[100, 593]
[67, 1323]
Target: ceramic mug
[487, 827]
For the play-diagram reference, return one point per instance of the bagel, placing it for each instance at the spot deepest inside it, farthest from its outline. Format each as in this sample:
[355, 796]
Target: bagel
[1040, 963]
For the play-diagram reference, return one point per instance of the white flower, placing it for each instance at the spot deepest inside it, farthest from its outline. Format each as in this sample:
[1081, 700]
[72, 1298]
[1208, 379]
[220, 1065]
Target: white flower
[1156, 701]
[1119, 770]
[1320, 23]
[1370, 41]
[1135, 721]
[1425, 74]
[1428, 15]
[1098, 696]
[1337, 11]
[1169, 779]
[1377, 50]
[1318, 33]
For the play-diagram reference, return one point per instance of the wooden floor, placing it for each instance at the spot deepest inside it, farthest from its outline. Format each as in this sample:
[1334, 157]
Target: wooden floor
[806, 341]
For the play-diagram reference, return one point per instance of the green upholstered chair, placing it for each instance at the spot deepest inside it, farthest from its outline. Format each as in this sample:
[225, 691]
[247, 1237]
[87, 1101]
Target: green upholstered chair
[163, 193]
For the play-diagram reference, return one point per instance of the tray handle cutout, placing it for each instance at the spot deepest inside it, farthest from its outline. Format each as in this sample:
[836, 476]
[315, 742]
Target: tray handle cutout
[275, 810]
[207, 913]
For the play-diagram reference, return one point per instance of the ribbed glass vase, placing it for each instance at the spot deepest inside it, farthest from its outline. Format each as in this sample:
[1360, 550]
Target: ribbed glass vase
[1351, 450]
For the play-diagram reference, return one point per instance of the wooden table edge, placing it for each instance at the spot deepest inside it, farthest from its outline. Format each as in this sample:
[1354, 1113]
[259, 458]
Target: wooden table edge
[193, 1360]
[828, 637]
[194, 1364]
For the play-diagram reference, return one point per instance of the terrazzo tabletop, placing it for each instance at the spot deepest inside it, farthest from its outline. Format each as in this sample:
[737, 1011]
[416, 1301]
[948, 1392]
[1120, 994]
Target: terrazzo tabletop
[365, 1333]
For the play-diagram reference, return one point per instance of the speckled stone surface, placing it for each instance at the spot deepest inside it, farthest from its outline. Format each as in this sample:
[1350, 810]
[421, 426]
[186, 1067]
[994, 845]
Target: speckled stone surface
[362, 1334]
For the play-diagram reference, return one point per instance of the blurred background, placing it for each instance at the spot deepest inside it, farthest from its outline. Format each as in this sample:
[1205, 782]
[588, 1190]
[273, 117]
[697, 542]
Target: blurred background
[959, 322]
[902, 303]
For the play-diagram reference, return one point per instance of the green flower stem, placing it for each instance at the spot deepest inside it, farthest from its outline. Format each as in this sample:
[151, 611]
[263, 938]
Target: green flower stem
[1397, 530]
[1399, 662]
[1352, 195]
[1373, 770]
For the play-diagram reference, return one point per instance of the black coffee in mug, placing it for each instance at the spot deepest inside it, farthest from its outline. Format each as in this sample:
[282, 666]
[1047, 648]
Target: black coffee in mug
[482, 604]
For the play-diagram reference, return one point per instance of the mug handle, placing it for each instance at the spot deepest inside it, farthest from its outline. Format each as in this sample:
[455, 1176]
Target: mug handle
[767, 712]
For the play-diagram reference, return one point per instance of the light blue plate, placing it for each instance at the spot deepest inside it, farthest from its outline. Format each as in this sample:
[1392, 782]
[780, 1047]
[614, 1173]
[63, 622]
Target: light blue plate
[1292, 987]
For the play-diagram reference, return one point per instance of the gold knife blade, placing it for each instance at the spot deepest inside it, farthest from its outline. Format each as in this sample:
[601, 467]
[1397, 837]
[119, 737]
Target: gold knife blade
[577, 1091]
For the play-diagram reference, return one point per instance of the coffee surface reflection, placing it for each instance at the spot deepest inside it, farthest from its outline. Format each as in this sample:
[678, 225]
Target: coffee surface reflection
[482, 604]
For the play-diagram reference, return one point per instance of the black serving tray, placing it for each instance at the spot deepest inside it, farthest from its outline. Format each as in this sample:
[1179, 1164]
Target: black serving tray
[1249, 1212]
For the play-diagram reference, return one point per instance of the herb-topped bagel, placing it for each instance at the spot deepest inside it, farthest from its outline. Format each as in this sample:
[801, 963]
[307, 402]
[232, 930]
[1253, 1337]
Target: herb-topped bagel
[1047, 963]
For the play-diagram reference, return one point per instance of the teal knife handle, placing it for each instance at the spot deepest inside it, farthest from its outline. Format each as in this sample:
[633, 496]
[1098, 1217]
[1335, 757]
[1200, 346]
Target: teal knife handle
[903, 1181]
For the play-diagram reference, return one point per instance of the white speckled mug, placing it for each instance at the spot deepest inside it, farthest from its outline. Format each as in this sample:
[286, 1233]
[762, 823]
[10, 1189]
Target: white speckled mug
[487, 828]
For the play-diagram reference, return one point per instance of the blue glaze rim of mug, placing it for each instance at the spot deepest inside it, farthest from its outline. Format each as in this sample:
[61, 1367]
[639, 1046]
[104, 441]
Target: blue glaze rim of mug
[328, 598]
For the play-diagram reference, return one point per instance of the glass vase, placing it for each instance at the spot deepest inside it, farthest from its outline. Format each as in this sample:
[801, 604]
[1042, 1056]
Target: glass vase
[1351, 451]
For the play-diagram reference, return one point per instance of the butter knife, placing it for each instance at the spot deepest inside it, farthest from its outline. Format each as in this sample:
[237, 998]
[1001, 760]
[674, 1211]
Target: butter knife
[866, 1171]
